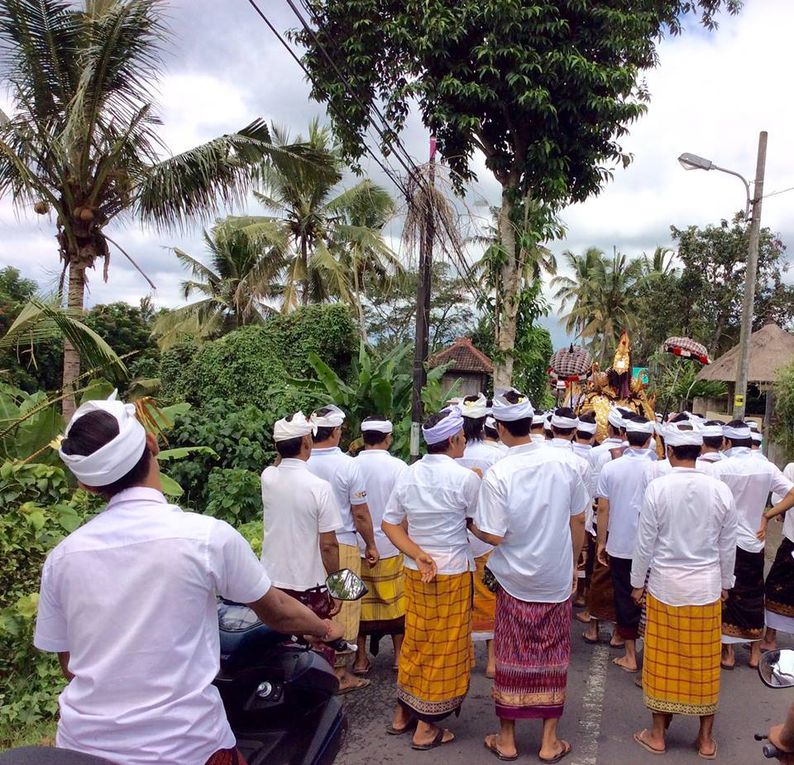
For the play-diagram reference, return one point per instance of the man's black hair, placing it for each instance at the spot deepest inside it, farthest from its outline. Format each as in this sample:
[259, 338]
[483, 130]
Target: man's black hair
[564, 412]
[690, 452]
[637, 440]
[680, 417]
[491, 433]
[590, 418]
[290, 448]
[373, 437]
[323, 434]
[442, 446]
[473, 426]
[713, 442]
[90, 433]
[517, 428]
[748, 442]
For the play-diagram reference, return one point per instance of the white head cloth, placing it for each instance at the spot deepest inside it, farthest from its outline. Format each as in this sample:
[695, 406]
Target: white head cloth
[753, 425]
[490, 422]
[564, 422]
[119, 455]
[649, 428]
[333, 419]
[737, 433]
[377, 426]
[757, 437]
[506, 412]
[711, 431]
[475, 409]
[587, 427]
[297, 427]
[539, 418]
[677, 436]
[446, 428]
[615, 418]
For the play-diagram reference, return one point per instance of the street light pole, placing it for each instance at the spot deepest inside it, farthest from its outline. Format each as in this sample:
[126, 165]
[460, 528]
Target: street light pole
[748, 305]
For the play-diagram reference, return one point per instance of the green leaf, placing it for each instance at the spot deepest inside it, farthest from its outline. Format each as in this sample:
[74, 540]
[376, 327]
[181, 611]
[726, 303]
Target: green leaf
[185, 451]
[170, 487]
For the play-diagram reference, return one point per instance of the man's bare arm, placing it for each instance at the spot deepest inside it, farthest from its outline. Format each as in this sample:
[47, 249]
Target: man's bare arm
[603, 523]
[285, 614]
[362, 520]
[63, 660]
[329, 551]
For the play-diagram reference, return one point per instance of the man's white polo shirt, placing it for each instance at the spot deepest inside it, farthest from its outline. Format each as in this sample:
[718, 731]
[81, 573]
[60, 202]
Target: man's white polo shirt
[131, 596]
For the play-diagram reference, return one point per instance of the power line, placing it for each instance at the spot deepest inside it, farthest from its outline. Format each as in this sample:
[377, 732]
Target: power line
[776, 193]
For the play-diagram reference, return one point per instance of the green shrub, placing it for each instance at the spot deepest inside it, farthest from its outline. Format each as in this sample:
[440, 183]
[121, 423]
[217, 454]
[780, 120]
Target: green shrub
[234, 495]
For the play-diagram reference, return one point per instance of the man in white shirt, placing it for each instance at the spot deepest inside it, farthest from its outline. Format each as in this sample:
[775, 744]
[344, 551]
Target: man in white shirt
[621, 487]
[383, 607]
[751, 481]
[713, 442]
[687, 530]
[329, 462]
[564, 423]
[583, 442]
[128, 601]
[300, 519]
[426, 519]
[492, 436]
[779, 587]
[537, 431]
[531, 507]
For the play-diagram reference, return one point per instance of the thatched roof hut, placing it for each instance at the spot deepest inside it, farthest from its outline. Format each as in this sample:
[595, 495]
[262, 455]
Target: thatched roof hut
[771, 348]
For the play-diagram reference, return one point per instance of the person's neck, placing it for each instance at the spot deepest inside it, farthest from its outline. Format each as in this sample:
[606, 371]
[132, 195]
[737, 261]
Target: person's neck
[581, 442]
[511, 441]
[560, 437]
[330, 444]
[708, 450]
[376, 448]
[682, 463]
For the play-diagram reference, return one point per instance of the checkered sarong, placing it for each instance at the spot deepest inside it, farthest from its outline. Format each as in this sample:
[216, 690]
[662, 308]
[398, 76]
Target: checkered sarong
[437, 653]
[383, 607]
[681, 664]
[350, 615]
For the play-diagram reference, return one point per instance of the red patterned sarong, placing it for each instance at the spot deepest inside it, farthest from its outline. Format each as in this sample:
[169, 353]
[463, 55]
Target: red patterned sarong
[532, 645]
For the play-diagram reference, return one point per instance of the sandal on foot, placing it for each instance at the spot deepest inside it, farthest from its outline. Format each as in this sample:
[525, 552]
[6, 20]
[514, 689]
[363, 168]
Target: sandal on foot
[625, 669]
[566, 750]
[362, 671]
[392, 731]
[729, 667]
[712, 756]
[357, 687]
[589, 640]
[493, 748]
[645, 745]
[436, 742]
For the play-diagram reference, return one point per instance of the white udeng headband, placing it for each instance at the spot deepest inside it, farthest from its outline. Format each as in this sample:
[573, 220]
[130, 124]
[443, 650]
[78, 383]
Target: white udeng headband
[711, 431]
[333, 419]
[490, 422]
[377, 426]
[446, 428]
[648, 428]
[539, 418]
[587, 427]
[757, 438]
[118, 456]
[674, 436]
[564, 422]
[737, 434]
[297, 427]
[475, 409]
[506, 412]
[615, 418]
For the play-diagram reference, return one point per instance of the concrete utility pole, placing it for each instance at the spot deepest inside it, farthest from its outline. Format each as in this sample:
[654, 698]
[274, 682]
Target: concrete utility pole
[423, 304]
[748, 305]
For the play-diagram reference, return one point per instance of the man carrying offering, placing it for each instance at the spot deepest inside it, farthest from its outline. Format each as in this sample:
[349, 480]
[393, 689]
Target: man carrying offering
[687, 531]
[140, 688]
[531, 508]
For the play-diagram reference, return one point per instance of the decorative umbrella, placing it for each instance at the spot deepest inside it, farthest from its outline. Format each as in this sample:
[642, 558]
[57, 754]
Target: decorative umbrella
[686, 348]
[572, 364]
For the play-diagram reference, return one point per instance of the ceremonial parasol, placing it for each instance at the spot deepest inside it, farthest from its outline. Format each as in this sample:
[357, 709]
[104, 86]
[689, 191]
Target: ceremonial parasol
[686, 348]
[572, 364]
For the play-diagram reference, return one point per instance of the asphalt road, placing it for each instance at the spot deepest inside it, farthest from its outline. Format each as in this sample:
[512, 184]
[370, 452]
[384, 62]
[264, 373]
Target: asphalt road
[603, 709]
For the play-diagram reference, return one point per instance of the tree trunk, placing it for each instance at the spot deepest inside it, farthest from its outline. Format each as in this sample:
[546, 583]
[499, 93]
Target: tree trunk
[507, 321]
[362, 327]
[71, 358]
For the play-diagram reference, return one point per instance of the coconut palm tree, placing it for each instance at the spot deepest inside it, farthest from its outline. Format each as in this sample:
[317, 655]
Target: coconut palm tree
[81, 141]
[578, 290]
[244, 263]
[327, 230]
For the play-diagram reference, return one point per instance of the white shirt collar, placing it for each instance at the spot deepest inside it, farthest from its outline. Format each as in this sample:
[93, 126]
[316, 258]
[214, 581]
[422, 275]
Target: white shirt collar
[138, 494]
[326, 450]
[293, 463]
[739, 451]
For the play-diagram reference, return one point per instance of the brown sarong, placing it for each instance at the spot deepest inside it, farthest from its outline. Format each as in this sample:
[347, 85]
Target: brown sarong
[780, 581]
[600, 596]
[743, 611]
[482, 620]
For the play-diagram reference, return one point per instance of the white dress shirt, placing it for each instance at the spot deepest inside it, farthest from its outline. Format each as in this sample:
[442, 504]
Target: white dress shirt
[341, 471]
[131, 596]
[480, 454]
[687, 529]
[380, 471]
[622, 482]
[659, 468]
[436, 496]
[751, 481]
[298, 507]
[788, 516]
[528, 498]
[602, 454]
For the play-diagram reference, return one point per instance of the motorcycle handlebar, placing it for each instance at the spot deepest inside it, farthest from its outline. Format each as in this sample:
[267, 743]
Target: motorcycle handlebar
[771, 752]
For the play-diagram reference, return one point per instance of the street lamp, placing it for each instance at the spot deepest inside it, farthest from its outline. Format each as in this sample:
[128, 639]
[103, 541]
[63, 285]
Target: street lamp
[694, 162]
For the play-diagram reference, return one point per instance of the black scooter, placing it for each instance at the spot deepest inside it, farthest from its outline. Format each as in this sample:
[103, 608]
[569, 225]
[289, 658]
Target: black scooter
[279, 696]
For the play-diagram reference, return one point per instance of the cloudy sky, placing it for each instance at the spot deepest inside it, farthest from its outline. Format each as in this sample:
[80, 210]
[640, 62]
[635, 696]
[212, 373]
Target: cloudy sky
[711, 95]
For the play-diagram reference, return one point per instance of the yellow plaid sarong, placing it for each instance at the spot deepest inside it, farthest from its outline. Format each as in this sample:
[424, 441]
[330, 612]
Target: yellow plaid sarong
[350, 615]
[437, 653]
[484, 611]
[385, 601]
[681, 664]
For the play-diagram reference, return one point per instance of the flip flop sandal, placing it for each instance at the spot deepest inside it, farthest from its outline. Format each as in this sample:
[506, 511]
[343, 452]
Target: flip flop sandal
[362, 672]
[436, 742]
[712, 756]
[625, 669]
[729, 667]
[566, 750]
[494, 750]
[590, 641]
[350, 688]
[648, 748]
[392, 731]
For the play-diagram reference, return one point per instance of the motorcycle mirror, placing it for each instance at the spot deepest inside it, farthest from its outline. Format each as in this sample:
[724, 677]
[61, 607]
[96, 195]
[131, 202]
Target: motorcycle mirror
[776, 669]
[345, 585]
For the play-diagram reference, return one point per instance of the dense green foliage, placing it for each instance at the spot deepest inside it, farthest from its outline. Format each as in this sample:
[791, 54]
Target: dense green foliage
[783, 425]
[252, 364]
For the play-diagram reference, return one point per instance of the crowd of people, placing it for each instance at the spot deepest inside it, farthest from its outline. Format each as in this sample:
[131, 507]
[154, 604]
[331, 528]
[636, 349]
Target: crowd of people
[511, 519]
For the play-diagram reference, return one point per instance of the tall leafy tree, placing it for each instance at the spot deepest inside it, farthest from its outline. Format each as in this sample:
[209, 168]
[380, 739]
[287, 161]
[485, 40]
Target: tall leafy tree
[578, 290]
[544, 90]
[81, 141]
